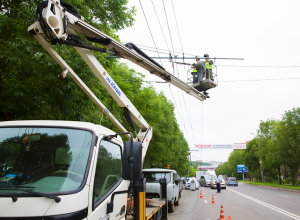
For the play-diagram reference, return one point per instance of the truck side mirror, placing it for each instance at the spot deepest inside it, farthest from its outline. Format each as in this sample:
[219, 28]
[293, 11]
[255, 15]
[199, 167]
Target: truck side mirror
[137, 161]
[176, 182]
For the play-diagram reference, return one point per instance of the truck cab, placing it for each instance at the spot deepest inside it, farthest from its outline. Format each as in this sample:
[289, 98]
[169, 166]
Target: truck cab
[59, 168]
[153, 187]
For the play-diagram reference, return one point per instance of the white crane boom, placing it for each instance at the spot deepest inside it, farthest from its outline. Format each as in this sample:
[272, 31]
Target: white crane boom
[60, 21]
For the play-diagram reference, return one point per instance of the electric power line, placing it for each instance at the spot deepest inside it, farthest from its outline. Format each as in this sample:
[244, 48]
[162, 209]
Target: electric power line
[160, 26]
[260, 66]
[177, 108]
[149, 29]
[169, 34]
[159, 49]
[256, 80]
[170, 53]
[188, 115]
[246, 80]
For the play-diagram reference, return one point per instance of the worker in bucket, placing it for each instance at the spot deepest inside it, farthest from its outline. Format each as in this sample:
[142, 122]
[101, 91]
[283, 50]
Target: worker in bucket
[208, 67]
[194, 72]
[199, 68]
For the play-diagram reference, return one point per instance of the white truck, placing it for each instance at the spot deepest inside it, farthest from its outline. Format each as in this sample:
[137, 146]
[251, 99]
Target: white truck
[204, 173]
[174, 188]
[78, 170]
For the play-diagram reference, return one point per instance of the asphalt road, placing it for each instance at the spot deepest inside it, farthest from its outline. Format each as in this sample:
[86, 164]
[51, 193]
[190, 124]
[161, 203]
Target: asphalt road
[242, 202]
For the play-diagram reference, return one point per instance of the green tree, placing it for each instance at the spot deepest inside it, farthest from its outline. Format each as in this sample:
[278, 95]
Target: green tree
[269, 149]
[287, 134]
[31, 90]
[252, 158]
[235, 158]
[223, 169]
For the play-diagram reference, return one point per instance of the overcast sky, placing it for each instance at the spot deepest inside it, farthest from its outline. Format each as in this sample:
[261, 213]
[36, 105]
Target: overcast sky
[264, 33]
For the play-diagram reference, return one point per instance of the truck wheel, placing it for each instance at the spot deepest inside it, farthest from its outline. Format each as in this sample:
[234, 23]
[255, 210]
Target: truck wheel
[171, 207]
[177, 202]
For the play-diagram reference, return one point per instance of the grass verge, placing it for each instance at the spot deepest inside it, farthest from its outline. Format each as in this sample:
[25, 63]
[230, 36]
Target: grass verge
[273, 185]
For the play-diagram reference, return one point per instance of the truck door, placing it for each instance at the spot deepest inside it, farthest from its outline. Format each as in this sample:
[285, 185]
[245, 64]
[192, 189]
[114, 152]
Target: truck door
[107, 179]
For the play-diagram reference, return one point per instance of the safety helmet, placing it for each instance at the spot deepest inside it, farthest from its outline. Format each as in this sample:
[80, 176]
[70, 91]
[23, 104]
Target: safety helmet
[206, 55]
[197, 58]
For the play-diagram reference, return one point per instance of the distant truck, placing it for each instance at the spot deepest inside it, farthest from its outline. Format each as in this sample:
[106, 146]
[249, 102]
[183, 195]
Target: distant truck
[204, 173]
[153, 187]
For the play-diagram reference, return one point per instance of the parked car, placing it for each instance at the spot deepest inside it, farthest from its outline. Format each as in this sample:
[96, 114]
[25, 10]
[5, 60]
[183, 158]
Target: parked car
[205, 180]
[232, 181]
[213, 183]
[188, 183]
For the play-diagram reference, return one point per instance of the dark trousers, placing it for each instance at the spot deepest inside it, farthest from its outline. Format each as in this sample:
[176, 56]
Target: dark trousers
[218, 187]
[195, 79]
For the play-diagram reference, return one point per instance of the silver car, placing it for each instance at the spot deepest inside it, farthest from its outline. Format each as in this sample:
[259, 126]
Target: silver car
[213, 183]
[205, 180]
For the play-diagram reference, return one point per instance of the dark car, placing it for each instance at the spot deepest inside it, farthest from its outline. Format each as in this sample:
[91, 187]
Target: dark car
[232, 181]
[205, 180]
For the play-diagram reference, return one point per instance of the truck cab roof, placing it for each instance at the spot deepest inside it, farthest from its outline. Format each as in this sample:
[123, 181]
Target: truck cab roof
[157, 170]
[98, 129]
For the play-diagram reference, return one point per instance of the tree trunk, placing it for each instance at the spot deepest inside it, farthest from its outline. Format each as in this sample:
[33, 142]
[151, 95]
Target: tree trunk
[279, 175]
[293, 172]
[286, 175]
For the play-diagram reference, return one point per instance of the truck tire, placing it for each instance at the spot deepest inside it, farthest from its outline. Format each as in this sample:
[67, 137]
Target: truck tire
[171, 207]
[177, 202]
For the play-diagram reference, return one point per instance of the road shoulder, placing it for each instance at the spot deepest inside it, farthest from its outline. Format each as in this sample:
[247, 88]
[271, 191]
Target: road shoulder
[272, 187]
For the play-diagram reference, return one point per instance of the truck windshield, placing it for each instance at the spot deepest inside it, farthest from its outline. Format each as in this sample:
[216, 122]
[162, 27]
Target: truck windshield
[154, 177]
[43, 159]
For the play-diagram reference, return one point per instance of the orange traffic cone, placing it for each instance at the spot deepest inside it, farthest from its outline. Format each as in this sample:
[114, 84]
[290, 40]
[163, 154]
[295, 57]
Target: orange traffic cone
[222, 216]
[213, 200]
[229, 217]
[201, 195]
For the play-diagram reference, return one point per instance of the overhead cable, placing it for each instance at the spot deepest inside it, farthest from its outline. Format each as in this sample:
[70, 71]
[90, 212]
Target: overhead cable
[188, 115]
[177, 108]
[249, 80]
[246, 80]
[160, 49]
[149, 29]
[160, 26]
[169, 32]
[260, 66]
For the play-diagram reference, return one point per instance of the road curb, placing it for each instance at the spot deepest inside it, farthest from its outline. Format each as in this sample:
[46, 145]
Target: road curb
[272, 187]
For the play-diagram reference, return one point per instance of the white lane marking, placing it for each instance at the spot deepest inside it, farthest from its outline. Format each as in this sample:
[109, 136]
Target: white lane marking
[205, 201]
[260, 190]
[284, 196]
[289, 214]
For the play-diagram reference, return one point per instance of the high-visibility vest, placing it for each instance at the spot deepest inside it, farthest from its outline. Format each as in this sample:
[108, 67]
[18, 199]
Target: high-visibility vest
[208, 65]
[194, 69]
